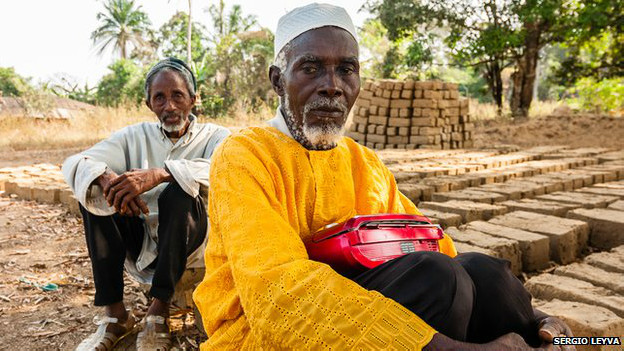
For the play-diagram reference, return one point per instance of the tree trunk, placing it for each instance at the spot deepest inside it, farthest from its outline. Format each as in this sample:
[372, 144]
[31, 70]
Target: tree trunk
[524, 77]
[495, 83]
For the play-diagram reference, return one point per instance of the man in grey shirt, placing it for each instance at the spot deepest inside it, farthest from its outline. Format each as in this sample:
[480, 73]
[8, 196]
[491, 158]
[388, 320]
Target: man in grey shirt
[139, 194]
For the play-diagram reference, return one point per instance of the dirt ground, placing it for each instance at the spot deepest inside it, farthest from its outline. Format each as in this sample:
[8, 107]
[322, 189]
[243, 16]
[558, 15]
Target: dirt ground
[569, 130]
[42, 244]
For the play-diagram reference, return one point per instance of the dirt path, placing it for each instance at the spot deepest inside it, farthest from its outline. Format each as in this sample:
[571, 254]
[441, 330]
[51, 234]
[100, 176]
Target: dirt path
[42, 244]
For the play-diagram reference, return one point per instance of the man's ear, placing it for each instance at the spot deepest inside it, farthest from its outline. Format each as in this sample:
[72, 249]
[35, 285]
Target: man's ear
[275, 75]
[147, 102]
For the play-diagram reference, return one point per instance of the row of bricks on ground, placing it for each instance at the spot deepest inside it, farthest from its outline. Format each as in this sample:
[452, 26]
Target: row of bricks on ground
[444, 145]
[588, 296]
[421, 90]
[507, 183]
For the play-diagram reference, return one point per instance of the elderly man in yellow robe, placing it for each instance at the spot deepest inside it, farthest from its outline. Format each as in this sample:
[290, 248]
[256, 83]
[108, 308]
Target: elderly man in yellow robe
[279, 184]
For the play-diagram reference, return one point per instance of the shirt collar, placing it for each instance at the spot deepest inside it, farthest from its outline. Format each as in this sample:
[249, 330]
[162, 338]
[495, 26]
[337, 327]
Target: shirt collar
[279, 122]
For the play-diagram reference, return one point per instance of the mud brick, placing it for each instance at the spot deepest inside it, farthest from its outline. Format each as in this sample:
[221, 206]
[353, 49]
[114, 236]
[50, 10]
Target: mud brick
[369, 144]
[396, 94]
[506, 249]
[407, 94]
[585, 320]
[394, 112]
[432, 94]
[468, 127]
[365, 94]
[381, 130]
[422, 103]
[606, 226]
[468, 210]
[387, 93]
[405, 112]
[567, 237]
[373, 110]
[366, 85]
[380, 101]
[597, 276]
[380, 146]
[401, 103]
[363, 111]
[359, 137]
[468, 144]
[383, 111]
[411, 191]
[550, 208]
[420, 139]
[402, 146]
[410, 146]
[418, 94]
[444, 219]
[380, 120]
[583, 199]
[437, 85]
[371, 129]
[428, 113]
[609, 261]
[603, 191]
[361, 128]
[408, 84]
[431, 146]
[551, 286]
[399, 122]
[423, 121]
[364, 103]
[510, 190]
[468, 195]
[416, 112]
[464, 248]
[423, 85]
[391, 131]
[442, 104]
[360, 120]
[404, 131]
[618, 205]
[374, 138]
[429, 130]
[452, 112]
[45, 194]
[450, 86]
[535, 248]
[398, 139]
[378, 92]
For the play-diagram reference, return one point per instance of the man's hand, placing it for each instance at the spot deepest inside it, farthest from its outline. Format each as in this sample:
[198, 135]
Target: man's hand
[507, 342]
[122, 191]
[550, 327]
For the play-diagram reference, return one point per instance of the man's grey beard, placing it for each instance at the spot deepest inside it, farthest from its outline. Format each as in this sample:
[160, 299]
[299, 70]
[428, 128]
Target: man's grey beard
[322, 137]
[173, 128]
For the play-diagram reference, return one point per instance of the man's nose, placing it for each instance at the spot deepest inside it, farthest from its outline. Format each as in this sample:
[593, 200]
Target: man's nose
[169, 105]
[330, 86]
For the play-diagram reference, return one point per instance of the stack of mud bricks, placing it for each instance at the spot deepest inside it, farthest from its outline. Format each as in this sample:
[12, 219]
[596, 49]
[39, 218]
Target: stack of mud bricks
[392, 114]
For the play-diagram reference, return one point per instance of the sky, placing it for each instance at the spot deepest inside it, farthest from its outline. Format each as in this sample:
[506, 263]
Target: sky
[44, 39]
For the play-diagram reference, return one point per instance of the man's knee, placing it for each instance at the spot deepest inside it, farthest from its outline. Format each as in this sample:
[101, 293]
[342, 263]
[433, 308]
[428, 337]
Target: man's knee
[474, 262]
[433, 264]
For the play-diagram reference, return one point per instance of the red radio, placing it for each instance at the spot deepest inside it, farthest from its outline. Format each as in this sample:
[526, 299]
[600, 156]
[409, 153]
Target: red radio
[365, 242]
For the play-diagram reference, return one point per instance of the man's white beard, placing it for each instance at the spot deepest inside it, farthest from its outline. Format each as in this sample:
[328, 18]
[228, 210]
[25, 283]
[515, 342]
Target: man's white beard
[172, 128]
[321, 137]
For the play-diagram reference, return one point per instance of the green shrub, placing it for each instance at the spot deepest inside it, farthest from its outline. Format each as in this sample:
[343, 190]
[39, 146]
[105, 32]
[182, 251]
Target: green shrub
[603, 96]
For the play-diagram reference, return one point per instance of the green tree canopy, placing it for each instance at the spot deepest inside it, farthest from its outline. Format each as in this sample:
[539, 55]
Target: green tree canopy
[122, 24]
[124, 85]
[11, 83]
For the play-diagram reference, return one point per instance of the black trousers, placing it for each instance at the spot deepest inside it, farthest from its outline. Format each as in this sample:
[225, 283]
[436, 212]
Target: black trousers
[472, 297]
[182, 225]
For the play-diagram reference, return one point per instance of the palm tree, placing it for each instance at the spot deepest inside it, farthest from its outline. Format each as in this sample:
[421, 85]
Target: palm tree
[121, 24]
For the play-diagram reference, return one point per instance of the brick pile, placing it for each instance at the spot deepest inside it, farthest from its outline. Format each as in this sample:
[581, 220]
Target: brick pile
[393, 114]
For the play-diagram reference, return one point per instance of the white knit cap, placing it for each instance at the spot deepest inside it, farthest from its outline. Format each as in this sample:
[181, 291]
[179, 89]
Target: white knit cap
[305, 18]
